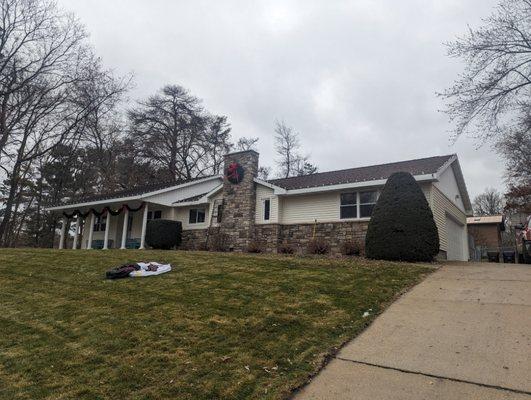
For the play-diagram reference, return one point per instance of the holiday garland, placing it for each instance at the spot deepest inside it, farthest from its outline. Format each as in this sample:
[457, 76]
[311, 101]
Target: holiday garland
[106, 209]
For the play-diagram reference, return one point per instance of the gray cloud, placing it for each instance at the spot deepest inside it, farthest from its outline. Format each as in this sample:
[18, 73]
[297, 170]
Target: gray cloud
[356, 78]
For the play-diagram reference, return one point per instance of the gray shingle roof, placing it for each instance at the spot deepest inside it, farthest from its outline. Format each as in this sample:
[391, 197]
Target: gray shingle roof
[193, 198]
[419, 166]
[136, 191]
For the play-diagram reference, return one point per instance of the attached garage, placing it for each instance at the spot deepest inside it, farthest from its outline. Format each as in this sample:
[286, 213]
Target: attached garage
[456, 240]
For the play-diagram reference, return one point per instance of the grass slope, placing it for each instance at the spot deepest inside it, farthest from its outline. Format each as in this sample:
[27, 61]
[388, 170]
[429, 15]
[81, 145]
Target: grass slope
[218, 326]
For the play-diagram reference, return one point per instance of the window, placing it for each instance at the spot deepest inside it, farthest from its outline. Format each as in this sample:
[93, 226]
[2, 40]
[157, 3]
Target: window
[367, 202]
[220, 213]
[267, 209]
[197, 215]
[154, 215]
[349, 205]
[100, 223]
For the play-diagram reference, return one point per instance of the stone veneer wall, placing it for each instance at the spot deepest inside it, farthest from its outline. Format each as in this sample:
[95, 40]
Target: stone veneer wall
[271, 236]
[268, 237]
[238, 222]
[240, 201]
[193, 239]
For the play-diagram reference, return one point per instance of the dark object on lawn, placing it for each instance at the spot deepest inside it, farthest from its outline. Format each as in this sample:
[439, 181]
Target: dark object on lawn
[509, 256]
[318, 246]
[402, 226]
[163, 234]
[493, 256]
[122, 271]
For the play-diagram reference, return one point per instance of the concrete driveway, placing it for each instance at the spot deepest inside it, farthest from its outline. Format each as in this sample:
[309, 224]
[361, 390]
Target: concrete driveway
[463, 333]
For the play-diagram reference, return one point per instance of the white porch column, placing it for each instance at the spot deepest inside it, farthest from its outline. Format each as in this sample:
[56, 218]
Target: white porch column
[76, 233]
[124, 228]
[91, 230]
[144, 225]
[107, 229]
[63, 233]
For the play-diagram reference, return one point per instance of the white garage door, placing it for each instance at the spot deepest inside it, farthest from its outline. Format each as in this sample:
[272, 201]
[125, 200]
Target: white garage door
[456, 241]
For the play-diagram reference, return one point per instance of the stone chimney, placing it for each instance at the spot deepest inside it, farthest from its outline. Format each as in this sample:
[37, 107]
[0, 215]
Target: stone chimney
[239, 194]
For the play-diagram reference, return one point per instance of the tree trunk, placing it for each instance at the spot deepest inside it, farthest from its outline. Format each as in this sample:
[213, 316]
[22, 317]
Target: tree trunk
[14, 181]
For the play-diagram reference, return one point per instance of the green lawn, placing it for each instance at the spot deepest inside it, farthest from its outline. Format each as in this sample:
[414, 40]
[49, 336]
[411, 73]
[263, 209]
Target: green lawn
[219, 326]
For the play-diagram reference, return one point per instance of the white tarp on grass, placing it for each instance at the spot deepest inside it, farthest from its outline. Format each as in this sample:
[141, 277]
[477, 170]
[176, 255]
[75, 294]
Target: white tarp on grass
[150, 269]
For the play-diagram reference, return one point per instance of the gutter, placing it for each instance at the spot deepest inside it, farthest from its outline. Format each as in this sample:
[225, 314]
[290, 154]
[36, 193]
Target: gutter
[342, 186]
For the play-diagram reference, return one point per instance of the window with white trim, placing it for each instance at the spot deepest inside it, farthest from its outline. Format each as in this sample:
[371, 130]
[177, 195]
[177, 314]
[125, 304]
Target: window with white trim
[367, 202]
[154, 215]
[349, 205]
[355, 205]
[197, 215]
[267, 209]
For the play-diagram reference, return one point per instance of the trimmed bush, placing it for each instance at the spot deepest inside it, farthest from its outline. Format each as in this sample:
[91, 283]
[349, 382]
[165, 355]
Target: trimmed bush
[285, 248]
[402, 226]
[318, 246]
[163, 233]
[255, 247]
[351, 247]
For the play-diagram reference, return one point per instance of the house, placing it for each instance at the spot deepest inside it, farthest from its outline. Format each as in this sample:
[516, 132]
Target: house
[335, 205]
[486, 232]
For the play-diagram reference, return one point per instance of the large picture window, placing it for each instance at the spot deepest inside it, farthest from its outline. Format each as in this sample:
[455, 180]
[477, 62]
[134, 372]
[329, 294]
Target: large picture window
[349, 207]
[197, 215]
[367, 203]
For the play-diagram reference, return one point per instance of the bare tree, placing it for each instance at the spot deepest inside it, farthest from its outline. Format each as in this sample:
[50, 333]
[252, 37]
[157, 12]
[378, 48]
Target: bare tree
[217, 144]
[102, 128]
[246, 143]
[178, 135]
[489, 202]
[264, 172]
[492, 96]
[287, 145]
[45, 67]
[516, 150]
[39, 45]
[519, 199]
[304, 167]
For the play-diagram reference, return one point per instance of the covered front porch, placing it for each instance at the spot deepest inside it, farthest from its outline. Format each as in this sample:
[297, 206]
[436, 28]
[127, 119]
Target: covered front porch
[111, 225]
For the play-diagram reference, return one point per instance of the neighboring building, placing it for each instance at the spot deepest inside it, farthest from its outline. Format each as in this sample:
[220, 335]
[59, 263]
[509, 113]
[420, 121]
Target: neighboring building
[486, 232]
[334, 205]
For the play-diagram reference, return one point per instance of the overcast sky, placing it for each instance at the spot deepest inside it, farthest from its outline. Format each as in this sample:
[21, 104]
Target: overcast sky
[358, 79]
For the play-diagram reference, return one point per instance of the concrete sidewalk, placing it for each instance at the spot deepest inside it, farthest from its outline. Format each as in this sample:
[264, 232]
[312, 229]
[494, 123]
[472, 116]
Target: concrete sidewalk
[463, 333]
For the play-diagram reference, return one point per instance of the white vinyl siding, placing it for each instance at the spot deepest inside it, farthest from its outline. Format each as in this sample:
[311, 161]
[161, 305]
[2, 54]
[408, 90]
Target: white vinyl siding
[170, 197]
[447, 184]
[183, 214]
[322, 207]
[441, 207]
[263, 193]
